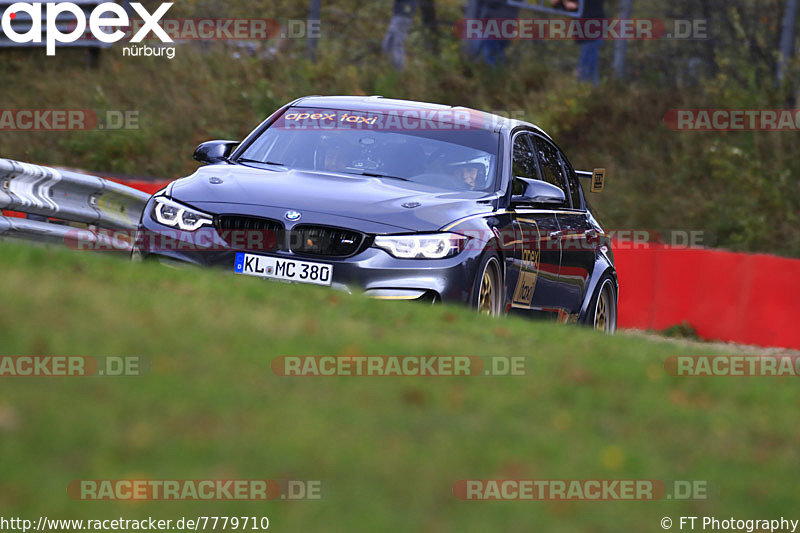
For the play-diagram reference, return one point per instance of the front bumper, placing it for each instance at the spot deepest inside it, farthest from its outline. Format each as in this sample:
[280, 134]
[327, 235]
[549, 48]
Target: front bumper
[373, 270]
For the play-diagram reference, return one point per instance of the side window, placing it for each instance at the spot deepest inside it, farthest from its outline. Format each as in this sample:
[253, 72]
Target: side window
[524, 164]
[574, 182]
[551, 166]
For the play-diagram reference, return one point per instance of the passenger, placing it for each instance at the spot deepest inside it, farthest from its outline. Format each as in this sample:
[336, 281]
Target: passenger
[337, 158]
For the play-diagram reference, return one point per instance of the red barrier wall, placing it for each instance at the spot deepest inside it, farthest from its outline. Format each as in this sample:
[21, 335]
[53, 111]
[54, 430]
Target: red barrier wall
[743, 298]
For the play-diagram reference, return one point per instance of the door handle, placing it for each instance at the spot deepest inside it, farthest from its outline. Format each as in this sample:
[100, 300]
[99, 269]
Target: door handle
[556, 235]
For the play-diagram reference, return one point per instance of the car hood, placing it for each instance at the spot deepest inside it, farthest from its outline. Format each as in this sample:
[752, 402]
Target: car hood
[402, 204]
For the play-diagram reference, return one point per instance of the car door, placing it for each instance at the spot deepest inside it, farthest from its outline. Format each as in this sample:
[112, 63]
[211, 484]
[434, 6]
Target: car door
[577, 233]
[534, 264]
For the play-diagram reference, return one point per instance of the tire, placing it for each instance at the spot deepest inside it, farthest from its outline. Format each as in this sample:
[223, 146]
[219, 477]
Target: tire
[602, 312]
[487, 290]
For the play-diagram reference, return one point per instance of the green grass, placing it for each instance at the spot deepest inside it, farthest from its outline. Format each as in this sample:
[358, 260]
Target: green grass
[386, 449]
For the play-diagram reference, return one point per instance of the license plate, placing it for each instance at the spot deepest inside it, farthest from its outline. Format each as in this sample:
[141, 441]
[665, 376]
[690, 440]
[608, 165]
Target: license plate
[284, 269]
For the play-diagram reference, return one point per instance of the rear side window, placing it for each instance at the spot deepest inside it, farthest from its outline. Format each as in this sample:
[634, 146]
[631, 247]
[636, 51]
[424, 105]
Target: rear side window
[574, 182]
[550, 164]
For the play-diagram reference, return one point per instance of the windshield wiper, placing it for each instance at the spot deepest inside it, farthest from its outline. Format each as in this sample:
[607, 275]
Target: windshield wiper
[245, 160]
[378, 175]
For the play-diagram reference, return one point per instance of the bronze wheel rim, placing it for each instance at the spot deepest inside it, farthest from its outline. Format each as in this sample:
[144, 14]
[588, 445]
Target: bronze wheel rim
[601, 315]
[487, 295]
[605, 313]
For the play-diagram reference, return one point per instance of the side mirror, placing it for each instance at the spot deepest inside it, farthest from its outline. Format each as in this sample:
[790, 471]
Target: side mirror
[531, 191]
[214, 151]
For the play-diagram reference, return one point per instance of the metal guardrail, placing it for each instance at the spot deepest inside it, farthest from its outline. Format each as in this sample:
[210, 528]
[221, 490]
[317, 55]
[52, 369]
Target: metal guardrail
[45, 193]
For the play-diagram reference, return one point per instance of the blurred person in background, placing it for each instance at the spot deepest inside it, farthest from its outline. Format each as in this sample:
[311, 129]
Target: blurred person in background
[394, 44]
[493, 51]
[588, 62]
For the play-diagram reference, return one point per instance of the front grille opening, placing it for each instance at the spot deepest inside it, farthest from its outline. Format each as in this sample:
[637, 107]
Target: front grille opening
[251, 234]
[324, 240]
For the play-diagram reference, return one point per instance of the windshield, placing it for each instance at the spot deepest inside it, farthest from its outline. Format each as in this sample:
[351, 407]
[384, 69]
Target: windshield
[432, 153]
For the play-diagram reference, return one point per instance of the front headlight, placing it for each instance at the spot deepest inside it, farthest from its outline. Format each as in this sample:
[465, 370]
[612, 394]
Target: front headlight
[175, 215]
[431, 246]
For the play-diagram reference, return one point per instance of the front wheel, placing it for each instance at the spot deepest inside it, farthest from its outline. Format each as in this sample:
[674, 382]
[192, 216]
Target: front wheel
[602, 312]
[488, 288]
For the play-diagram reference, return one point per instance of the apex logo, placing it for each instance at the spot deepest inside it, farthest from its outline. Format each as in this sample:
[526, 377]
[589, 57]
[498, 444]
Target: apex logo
[104, 17]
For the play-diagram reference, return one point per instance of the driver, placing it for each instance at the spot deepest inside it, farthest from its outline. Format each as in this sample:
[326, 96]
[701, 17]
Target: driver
[469, 174]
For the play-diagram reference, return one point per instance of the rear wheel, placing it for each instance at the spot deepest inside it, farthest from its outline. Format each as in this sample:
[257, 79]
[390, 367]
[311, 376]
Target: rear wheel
[602, 312]
[488, 299]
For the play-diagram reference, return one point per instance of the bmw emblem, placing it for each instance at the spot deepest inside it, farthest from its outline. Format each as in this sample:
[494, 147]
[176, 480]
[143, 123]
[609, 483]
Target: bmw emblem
[292, 215]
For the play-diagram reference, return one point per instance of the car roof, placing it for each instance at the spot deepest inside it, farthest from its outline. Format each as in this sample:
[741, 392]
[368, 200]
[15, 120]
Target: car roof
[379, 103]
